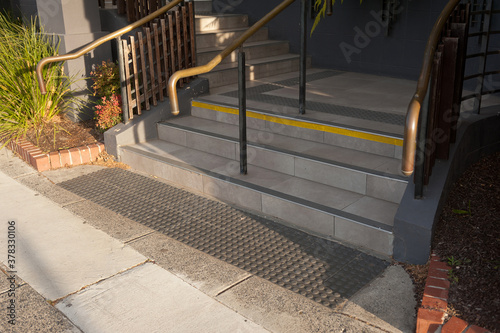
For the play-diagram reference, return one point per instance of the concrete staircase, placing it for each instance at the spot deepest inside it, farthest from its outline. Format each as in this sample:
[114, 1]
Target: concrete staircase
[333, 182]
[264, 57]
[299, 171]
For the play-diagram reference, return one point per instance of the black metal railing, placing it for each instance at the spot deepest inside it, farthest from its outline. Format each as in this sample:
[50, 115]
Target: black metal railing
[480, 52]
[172, 84]
[433, 114]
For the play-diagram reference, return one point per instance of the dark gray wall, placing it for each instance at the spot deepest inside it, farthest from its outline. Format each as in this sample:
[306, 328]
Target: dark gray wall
[353, 38]
[5, 5]
[22, 8]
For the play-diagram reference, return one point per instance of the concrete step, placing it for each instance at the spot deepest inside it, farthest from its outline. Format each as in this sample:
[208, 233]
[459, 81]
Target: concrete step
[225, 74]
[354, 171]
[317, 208]
[306, 128]
[215, 22]
[223, 37]
[253, 50]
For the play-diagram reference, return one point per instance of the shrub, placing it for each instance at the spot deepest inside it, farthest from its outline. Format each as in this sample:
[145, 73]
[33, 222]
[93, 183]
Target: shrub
[108, 113]
[106, 79]
[106, 85]
[22, 106]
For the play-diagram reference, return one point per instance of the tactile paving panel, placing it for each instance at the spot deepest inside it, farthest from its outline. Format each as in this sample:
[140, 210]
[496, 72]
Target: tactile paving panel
[258, 93]
[324, 271]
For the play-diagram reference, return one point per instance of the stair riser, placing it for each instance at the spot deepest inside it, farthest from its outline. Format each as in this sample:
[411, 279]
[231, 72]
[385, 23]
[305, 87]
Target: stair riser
[299, 216]
[348, 179]
[254, 52]
[210, 23]
[253, 72]
[225, 38]
[356, 143]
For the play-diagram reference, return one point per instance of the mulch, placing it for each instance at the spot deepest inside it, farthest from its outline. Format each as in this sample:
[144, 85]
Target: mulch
[467, 237]
[63, 133]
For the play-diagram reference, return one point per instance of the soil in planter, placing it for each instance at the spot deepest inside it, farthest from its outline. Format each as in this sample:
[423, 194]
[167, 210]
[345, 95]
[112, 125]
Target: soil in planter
[468, 237]
[67, 134]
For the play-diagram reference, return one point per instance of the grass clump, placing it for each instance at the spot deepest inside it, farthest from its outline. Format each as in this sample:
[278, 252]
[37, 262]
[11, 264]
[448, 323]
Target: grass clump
[22, 105]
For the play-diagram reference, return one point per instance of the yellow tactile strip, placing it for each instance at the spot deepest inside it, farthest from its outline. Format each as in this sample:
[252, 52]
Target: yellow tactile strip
[304, 124]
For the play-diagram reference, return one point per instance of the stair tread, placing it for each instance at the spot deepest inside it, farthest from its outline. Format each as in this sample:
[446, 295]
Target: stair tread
[220, 96]
[321, 151]
[256, 62]
[374, 212]
[246, 44]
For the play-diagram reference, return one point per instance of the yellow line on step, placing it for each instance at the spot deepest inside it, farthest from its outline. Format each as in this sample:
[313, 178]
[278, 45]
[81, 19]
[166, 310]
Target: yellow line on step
[304, 124]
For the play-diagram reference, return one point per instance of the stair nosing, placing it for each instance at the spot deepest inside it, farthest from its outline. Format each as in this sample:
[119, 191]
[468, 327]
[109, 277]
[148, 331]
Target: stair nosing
[306, 203]
[399, 178]
[254, 62]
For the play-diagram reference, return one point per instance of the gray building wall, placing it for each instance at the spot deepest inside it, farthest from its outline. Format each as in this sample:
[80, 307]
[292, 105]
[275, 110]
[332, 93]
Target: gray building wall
[353, 38]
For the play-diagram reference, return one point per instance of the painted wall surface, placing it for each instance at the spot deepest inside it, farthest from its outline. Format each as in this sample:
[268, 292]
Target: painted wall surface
[353, 38]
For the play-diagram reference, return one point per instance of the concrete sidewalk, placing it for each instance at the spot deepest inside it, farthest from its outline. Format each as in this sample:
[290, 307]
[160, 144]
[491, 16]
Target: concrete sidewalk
[83, 268]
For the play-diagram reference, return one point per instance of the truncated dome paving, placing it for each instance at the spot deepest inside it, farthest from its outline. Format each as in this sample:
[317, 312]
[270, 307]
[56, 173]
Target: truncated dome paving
[324, 271]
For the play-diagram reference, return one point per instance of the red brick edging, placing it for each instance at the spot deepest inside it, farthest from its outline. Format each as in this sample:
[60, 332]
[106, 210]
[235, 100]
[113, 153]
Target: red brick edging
[432, 312]
[62, 158]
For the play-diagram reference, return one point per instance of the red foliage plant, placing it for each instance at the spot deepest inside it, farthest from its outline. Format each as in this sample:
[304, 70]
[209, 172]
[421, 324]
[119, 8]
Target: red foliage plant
[109, 112]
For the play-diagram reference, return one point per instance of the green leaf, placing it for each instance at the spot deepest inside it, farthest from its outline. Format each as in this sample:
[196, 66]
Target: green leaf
[322, 11]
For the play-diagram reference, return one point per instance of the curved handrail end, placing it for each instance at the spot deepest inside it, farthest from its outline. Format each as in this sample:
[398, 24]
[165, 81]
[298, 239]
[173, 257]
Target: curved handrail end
[39, 76]
[410, 135]
[172, 94]
[193, 71]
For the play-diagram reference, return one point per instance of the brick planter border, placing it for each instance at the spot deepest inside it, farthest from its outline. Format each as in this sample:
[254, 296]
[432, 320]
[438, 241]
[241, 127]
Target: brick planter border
[431, 315]
[55, 160]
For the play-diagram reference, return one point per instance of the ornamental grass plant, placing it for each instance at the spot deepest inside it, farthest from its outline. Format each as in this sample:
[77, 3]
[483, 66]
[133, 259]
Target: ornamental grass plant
[22, 105]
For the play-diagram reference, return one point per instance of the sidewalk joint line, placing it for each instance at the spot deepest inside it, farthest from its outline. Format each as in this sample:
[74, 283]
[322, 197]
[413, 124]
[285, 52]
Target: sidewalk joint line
[72, 203]
[25, 175]
[54, 302]
[234, 284]
[362, 321]
[133, 239]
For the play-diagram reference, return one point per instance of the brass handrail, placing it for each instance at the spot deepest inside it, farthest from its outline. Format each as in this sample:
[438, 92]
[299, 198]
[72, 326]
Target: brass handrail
[98, 42]
[172, 82]
[410, 133]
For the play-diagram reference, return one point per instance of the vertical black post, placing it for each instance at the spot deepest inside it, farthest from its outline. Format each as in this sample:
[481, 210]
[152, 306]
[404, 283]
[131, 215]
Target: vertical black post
[121, 65]
[420, 152]
[242, 96]
[485, 39]
[303, 56]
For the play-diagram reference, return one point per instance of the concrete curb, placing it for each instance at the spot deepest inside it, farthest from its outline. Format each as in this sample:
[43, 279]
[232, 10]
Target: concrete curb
[55, 160]
[432, 312]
